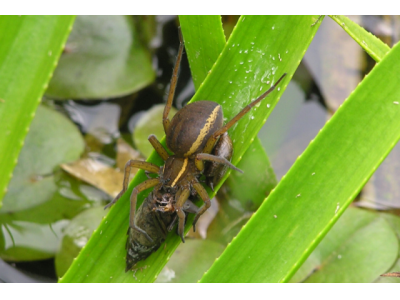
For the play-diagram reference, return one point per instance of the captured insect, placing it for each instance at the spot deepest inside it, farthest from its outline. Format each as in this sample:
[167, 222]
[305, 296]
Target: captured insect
[157, 217]
[195, 135]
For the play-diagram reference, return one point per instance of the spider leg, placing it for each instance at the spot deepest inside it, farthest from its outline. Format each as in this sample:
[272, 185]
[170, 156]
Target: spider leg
[246, 109]
[204, 196]
[182, 197]
[174, 79]
[188, 207]
[218, 159]
[158, 147]
[151, 168]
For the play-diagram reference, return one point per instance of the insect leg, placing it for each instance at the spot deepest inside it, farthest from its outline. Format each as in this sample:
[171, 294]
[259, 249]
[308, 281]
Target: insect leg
[128, 166]
[246, 109]
[218, 159]
[174, 79]
[172, 223]
[204, 196]
[141, 187]
[158, 147]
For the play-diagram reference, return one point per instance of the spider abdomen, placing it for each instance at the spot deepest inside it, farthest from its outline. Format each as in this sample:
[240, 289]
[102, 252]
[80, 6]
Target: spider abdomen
[192, 126]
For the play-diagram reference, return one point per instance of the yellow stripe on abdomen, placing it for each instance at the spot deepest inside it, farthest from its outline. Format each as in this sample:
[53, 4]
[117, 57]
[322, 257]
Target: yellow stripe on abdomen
[204, 131]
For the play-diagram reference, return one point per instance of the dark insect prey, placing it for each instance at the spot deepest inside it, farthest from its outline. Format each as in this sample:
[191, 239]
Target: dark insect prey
[156, 216]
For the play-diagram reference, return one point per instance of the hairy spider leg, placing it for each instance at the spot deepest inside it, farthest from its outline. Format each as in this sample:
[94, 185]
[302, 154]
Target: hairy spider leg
[158, 147]
[149, 167]
[182, 196]
[209, 157]
[174, 80]
[212, 140]
[204, 196]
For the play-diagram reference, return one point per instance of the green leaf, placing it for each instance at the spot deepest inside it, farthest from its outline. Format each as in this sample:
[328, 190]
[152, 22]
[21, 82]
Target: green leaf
[76, 235]
[258, 179]
[370, 43]
[320, 185]
[205, 40]
[259, 51]
[149, 123]
[35, 233]
[359, 247]
[104, 58]
[243, 194]
[394, 222]
[190, 261]
[29, 51]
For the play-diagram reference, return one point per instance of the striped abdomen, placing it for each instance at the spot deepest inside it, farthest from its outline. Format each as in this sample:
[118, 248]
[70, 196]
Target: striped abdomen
[192, 126]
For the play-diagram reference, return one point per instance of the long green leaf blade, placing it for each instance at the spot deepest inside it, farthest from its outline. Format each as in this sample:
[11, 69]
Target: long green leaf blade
[320, 185]
[370, 43]
[260, 49]
[205, 40]
[255, 163]
[29, 51]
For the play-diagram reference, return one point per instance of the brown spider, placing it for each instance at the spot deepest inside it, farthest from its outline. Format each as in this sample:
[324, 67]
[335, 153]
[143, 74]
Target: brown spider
[191, 135]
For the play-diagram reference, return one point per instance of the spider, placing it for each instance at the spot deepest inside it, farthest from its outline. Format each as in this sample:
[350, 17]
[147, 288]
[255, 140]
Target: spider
[191, 135]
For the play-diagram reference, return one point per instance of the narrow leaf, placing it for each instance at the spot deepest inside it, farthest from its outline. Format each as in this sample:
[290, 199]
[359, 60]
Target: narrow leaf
[320, 185]
[29, 51]
[370, 43]
[205, 40]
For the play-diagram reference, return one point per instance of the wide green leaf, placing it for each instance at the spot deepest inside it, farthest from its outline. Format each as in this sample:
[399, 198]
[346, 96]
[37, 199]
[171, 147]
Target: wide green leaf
[35, 233]
[29, 51]
[320, 185]
[75, 236]
[149, 123]
[104, 58]
[359, 247]
[258, 52]
[46, 147]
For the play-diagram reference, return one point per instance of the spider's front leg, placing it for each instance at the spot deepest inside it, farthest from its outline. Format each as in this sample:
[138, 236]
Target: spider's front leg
[149, 167]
